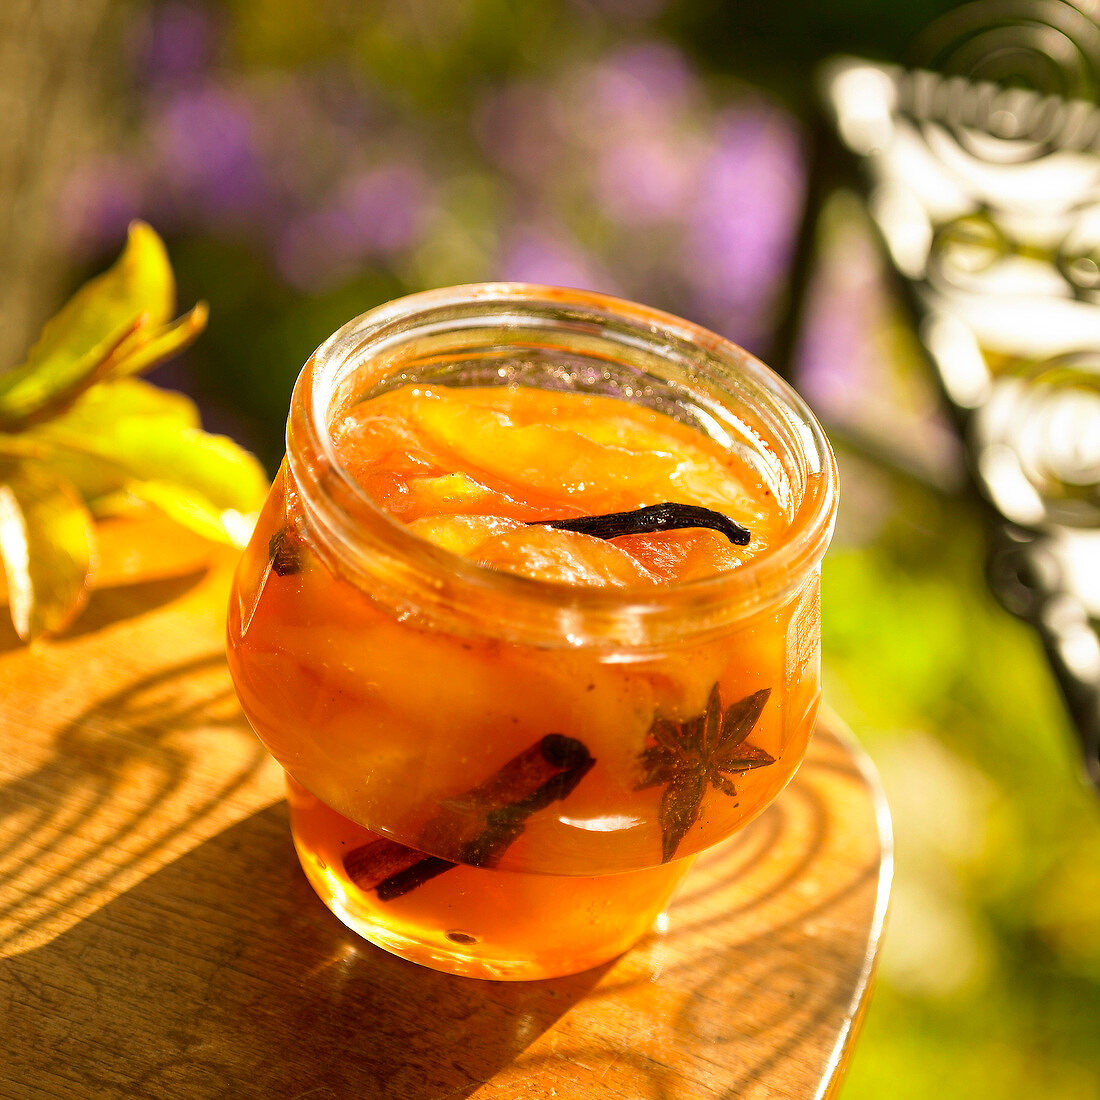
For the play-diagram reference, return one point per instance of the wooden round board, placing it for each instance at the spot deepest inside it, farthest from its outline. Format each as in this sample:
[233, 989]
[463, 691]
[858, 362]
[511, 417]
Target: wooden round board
[157, 937]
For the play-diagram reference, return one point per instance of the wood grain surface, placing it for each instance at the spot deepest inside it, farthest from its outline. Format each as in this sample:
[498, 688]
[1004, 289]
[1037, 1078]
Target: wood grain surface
[157, 937]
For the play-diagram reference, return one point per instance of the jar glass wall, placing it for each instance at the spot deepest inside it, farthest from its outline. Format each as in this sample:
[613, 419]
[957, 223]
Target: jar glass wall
[505, 776]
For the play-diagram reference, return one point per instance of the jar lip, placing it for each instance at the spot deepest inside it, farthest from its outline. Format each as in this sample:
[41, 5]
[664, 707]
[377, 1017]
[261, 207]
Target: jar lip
[348, 510]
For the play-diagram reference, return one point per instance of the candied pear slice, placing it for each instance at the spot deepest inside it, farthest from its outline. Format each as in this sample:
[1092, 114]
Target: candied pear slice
[457, 494]
[462, 534]
[682, 555]
[563, 556]
[538, 456]
[616, 467]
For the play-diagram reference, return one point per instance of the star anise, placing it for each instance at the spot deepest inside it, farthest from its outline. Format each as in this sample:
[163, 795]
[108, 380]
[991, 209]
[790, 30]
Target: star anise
[689, 755]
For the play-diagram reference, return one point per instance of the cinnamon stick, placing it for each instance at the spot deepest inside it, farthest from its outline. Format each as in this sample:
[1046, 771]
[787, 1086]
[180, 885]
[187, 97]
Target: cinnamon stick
[478, 825]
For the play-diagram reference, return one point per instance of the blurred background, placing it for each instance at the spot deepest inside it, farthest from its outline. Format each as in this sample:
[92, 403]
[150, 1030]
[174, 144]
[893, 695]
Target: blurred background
[308, 159]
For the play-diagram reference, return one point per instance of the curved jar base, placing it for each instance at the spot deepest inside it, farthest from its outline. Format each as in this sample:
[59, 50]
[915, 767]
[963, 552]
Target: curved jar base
[467, 920]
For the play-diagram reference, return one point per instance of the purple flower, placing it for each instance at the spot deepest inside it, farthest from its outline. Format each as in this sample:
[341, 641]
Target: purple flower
[177, 43]
[207, 156]
[387, 208]
[519, 127]
[643, 87]
[542, 255]
[97, 202]
[629, 9]
[373, 215]
[741, 227]
[644, 179]
[832, 355]
[307, 253]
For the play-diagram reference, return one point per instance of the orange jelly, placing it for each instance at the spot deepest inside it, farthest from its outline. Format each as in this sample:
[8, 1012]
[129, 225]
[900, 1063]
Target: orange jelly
[506, 741]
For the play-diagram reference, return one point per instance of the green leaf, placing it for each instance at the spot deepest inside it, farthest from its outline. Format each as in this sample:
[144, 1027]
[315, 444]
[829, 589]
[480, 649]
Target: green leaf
[45, 543]
[147, 347]
[206, 482]
[131, 436]
[126, 399]
[72, 443]
[116, 324]
[41, 387]
[196, 511]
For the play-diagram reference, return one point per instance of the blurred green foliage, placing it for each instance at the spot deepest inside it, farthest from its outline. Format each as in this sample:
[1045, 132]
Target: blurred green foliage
[990, 977]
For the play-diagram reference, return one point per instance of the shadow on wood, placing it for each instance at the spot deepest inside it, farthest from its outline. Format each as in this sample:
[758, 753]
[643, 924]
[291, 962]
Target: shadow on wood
[225, 967]
[157, 937]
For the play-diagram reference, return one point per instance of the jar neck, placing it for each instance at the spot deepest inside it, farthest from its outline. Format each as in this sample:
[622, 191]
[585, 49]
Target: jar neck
[526, 335]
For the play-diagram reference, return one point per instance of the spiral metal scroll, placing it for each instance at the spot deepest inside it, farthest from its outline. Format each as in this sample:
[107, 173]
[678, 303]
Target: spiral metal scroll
[1048, 46]
[1038, 441]
[1019, 72]
[983, 168]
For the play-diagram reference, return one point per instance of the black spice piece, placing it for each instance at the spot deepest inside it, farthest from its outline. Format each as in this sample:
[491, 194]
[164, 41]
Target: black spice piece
[285, 553]
[706, 749]
[425, 868]
[546, 772]
[386, 861]
[464, 938]
[655, 517]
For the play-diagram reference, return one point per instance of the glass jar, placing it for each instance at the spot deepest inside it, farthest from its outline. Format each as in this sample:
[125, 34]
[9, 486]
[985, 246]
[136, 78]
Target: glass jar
[508, 777]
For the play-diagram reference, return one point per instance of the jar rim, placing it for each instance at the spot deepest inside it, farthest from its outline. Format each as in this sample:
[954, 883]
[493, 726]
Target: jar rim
[438, 581]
